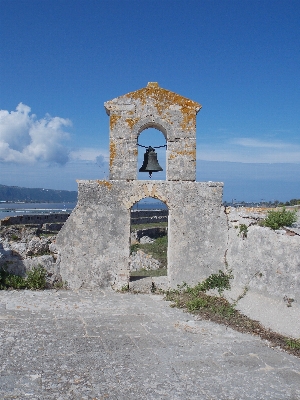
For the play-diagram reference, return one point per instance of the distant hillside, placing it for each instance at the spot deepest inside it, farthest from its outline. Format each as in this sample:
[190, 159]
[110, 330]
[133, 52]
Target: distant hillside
[16, 193]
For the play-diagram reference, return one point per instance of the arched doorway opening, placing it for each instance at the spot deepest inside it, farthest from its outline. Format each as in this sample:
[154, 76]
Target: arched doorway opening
[148, 239]
[156, 139]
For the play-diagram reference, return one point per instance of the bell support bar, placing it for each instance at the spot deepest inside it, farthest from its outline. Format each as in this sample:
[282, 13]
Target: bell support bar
[154, 147]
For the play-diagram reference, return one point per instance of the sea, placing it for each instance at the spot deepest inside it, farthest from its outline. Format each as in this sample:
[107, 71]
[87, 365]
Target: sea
[13, 209]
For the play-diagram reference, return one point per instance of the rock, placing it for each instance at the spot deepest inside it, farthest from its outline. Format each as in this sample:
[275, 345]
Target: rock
[146, 239]
[280, 231]
[21, 249]
[140, 260]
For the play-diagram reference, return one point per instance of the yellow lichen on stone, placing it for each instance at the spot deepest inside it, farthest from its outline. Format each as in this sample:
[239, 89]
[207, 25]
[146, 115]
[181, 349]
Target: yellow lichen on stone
[113, 120]
[186, 152]
[188, 119]
[105, 183]
[132, 121]
[163, 99]
[135, 152]
[112, 152]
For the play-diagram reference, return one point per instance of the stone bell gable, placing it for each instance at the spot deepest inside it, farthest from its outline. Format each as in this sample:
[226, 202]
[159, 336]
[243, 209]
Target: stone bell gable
[94, 243]
[153, 107]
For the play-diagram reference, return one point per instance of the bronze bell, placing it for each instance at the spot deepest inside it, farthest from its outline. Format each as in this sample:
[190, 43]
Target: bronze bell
[150, 163]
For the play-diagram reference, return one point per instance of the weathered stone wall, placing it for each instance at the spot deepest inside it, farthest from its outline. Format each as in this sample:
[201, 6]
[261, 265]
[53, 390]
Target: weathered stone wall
[94, 242]
[265, 261]
[153, 107]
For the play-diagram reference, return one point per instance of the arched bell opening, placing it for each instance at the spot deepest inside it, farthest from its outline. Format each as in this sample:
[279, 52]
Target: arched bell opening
[151, 154]
[149, 240]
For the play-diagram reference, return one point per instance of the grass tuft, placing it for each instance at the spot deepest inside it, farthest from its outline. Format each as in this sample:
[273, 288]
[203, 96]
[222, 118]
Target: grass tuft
[219, 310]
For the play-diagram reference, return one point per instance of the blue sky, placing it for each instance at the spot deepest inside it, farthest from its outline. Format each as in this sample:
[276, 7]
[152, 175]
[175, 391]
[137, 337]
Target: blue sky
[61, 60]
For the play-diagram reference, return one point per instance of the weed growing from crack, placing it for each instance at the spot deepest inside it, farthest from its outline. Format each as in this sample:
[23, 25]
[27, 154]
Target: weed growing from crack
[293, 343]
[61, 285]
[219, 310]
[220, 281]
[125, 288]
[243, 231]
[215, 305]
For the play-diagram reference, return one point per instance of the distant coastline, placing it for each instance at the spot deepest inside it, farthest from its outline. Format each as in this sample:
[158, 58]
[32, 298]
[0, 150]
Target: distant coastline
[19, 208]
[16, 201]
[16, 194]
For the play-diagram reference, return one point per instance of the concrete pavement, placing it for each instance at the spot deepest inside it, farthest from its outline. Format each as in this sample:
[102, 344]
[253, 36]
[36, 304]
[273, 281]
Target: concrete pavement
[107, 345]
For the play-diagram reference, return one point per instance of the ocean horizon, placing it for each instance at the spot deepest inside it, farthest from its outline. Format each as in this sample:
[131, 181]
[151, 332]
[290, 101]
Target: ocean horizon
[19, 208]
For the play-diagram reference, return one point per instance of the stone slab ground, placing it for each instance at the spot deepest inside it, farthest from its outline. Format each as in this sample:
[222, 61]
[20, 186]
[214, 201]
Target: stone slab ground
[108, 345]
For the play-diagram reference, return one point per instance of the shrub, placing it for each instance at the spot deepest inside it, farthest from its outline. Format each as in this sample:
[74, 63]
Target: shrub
[243, 230]
[14, 237]
[8, 280]
[220, 281]
[278, 219]
[15, 281]
[36, 278]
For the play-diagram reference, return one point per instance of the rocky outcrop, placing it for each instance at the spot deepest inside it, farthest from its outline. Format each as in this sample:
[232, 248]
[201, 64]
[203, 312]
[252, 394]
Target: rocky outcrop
[23, 248]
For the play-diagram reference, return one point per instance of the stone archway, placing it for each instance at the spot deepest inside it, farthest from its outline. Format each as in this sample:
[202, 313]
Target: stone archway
[149, 241]
[93, 244]
[162, 109]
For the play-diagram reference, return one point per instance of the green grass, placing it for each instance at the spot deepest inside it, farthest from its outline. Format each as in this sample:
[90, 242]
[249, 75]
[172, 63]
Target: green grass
[220, 281]
[158, 249]
[213, 304]
[293, 343]
[195, 298]
[218, 309]
[154, 272]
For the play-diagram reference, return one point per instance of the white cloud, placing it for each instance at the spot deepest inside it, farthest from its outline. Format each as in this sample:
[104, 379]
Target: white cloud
[25, 139]
[249, 142]
[88, 154]
[248, 150]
